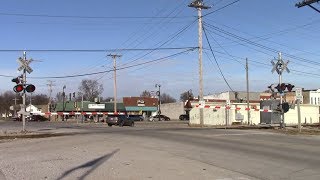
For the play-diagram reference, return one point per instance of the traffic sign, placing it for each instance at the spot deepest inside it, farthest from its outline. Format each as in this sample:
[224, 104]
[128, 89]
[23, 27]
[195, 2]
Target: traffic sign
[299, 95]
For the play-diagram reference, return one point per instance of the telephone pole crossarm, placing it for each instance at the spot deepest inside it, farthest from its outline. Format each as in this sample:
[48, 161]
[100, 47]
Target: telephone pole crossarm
[308, 3]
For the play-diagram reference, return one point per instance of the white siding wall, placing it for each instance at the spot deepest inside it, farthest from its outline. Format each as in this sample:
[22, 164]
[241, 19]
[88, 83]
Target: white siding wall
[309, 114]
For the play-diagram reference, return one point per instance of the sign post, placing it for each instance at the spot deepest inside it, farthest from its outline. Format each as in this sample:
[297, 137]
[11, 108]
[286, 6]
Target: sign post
[299, 98]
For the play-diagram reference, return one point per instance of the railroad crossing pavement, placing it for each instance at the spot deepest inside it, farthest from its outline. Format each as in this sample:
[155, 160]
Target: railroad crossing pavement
[163, 150]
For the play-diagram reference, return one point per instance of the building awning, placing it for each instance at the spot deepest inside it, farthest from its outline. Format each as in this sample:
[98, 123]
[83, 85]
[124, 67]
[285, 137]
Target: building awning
[141, 108]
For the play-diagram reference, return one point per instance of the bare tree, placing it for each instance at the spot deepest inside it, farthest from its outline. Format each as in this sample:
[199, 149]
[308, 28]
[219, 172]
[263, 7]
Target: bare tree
[7, 99]
[166, 98]
[59, 97]
[38, 99]
[145, 93]
[90, 89]
[186, 96]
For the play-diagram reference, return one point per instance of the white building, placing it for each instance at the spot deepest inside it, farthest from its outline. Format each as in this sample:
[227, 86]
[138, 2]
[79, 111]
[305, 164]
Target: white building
[314, 97]
[33, 109]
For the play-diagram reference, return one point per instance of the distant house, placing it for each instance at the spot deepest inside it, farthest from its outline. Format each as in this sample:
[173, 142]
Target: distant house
[33, 109]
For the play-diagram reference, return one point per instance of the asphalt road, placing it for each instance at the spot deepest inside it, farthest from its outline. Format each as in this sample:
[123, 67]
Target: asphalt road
[162, 150]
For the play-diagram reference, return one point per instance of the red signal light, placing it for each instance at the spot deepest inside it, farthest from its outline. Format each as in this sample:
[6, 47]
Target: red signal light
[18, 88]
[30, 88]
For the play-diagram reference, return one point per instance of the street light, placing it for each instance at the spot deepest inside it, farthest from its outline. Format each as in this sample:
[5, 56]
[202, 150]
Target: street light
[159, 102]
[63, 106]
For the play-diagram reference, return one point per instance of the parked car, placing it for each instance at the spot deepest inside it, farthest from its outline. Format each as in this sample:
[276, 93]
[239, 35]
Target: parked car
[184, 117]
[37, 118]
[136, 117]
[16, 118]
[119, 120]
[162, 118]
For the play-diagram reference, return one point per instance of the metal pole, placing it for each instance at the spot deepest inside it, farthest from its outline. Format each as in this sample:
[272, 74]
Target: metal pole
[248, 97]
[281, 99]
[24, 80]
[299, 115]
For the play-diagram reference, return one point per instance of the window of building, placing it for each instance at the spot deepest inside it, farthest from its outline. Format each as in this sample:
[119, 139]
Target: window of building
[311, 100]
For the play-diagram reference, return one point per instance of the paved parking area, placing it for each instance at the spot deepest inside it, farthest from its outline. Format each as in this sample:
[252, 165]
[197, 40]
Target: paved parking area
[156, 150]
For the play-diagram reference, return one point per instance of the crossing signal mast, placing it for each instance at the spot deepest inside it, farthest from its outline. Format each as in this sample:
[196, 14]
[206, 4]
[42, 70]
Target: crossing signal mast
[281, 66]
[21, 85]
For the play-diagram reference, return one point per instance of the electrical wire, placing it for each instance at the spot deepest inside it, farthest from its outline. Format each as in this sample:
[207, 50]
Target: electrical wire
[225, 80]
[93, 50]
[221, 8]
[260, 45]
[106, 71]
[88, 17]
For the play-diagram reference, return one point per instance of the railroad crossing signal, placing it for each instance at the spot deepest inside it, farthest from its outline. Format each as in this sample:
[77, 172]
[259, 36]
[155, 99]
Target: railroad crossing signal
[24, 64]
[280, 66]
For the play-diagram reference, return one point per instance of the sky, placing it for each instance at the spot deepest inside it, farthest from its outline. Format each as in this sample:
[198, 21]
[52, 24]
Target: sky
[154, 39]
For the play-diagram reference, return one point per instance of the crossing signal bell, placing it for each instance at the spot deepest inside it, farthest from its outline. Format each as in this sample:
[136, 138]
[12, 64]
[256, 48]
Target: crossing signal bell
[16, 80]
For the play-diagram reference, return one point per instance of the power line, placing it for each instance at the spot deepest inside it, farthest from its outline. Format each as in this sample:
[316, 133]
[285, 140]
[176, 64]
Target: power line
[221, 8]
[106, 71]
[94, 50]
[225, 80]
[90, 17]
[260, 45]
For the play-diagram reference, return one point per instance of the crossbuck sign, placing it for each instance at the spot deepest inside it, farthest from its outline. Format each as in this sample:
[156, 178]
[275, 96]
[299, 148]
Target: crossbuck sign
[24, 64]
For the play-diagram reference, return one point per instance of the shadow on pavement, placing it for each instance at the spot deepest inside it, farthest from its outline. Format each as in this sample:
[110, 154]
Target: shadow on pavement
[91, 164]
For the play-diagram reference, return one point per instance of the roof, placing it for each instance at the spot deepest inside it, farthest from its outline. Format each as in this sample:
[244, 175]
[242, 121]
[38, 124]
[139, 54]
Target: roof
[76, 106]
[140, 101]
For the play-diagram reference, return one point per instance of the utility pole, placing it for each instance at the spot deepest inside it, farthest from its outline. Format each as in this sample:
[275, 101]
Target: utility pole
[248, 96]
[308, 3]
[114, 57]
[63, 97]
[50, 84]
[199, 5]
[280, 66]
[159, 101]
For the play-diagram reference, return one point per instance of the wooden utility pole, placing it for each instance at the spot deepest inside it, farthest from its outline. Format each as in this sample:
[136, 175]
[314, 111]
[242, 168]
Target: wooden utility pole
[199, 5]
[114, 57]
[248, 96]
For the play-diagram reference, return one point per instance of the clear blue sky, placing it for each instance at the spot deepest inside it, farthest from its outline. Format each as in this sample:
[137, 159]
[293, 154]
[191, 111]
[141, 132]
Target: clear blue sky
[59, 25]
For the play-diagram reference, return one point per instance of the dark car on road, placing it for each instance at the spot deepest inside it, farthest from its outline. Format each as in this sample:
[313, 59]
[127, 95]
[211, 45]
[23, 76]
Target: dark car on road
[136, 117]
[162, 118]
[184, 117]
[37, 118]
[119, 120]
